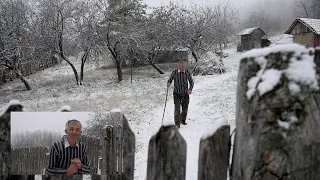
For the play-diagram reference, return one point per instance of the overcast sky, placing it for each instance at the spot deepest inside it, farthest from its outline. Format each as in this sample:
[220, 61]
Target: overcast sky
[244, 6]
[50, 121]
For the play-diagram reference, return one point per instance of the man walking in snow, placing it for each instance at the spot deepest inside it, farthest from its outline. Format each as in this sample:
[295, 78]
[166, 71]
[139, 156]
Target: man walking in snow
[69, 156]
[181, 92]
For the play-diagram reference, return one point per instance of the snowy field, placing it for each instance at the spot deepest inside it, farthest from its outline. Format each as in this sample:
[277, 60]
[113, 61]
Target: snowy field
[213, 98]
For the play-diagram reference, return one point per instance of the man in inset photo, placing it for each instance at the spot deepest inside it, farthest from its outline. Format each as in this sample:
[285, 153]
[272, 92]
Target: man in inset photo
[69, 156]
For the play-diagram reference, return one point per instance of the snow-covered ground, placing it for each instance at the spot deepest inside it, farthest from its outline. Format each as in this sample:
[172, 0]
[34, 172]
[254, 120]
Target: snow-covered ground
[213, 98]
[281, 39]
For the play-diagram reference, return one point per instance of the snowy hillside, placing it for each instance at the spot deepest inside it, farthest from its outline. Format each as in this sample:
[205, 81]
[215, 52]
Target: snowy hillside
[213, 98]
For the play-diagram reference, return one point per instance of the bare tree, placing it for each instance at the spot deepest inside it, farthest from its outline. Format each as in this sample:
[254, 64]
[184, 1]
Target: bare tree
[71, 22]
[14, 36]
[119, 27]
[308, 8]
[303, 7]
[200, 28]
[262, 18]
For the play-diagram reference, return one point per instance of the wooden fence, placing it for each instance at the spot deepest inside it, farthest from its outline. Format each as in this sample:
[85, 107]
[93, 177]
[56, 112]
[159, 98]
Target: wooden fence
[26, 69]
[29, 160]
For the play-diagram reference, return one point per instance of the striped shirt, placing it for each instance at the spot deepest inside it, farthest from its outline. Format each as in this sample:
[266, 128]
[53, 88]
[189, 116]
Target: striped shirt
[62, 153]
[181, 79]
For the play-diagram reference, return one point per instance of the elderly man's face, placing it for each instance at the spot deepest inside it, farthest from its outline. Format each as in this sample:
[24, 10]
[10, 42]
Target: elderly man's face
[181, 66]
[73, 130]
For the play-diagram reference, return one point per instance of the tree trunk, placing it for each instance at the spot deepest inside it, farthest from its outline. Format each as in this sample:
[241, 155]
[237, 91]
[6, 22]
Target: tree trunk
[131, 70]
[276, 132]
[73, 68]
[119, 70]
[195, 56]
[20, 76]
[117, 60]
[83, 61]
[61, 52]
[155, 66]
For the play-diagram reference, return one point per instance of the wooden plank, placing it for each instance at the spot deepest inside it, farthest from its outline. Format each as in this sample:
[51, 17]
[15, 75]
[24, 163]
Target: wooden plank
[106, 152]
[13, 161]
[121, 150]
[97, 154]
[214, 155]
[128, 146]
[315, 168]
[114, 150]
[117, 152]
[167, 155]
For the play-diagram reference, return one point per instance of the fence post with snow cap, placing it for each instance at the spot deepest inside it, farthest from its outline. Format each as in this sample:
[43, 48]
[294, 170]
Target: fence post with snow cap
[5, 143]
[214, 152]
[276, 114]
[167, 155]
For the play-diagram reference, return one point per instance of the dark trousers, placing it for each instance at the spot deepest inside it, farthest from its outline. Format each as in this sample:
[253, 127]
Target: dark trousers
[180, 100]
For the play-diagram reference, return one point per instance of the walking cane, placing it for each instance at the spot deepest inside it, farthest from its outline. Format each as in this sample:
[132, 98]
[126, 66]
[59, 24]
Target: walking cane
[165, 104]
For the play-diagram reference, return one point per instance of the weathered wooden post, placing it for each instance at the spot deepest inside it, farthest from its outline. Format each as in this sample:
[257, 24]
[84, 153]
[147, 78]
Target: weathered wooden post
[276, 117]
[167, 155]
[118, 149]
[214, 152]
[106, 155]
[5, 143]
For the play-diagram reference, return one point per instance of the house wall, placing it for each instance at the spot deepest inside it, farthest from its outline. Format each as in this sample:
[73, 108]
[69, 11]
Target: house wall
[307, 39]
[252, 40]
[246, 42]
[256, 38]
[318, 41]
[300, 28]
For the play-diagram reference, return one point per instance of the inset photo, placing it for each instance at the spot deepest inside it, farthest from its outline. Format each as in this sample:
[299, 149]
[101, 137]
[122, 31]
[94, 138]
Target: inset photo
[55, 143]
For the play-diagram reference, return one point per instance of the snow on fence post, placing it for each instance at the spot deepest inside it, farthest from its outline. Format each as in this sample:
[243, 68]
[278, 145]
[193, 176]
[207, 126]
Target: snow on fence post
[214, 152]
[5, 144]
[276, 116]
[118, 149]
[167, 155]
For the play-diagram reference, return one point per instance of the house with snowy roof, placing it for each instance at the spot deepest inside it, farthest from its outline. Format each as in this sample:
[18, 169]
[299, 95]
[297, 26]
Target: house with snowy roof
[305, 31]
[252, 38]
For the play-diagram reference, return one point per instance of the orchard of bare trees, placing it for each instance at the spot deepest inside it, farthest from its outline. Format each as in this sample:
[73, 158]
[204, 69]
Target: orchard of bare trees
[37, 30]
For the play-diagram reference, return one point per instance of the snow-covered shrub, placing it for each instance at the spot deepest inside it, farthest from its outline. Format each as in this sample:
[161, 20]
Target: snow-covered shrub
[209, 64]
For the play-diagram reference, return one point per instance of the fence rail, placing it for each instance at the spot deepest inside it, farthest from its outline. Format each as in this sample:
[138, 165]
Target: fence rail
[28, 160]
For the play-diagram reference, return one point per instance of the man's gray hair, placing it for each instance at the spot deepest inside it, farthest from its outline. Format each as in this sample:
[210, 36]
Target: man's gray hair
[73, 121]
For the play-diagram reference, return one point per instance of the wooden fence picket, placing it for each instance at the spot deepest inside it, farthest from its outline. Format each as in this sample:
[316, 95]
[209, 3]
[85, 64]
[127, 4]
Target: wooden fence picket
[167, 155]
[214, 155]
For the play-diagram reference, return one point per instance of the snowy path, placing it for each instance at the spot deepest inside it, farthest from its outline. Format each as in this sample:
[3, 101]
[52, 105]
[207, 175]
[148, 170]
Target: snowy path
[210, 96]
